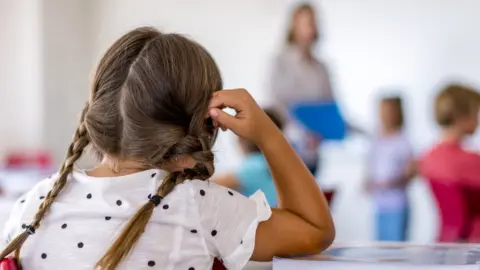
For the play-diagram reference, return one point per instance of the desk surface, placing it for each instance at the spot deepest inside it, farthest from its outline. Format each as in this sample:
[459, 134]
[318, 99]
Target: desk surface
[400, 254]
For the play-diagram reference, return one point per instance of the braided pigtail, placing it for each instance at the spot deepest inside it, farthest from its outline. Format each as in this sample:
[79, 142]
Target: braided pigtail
[130, 235]
[75, 150]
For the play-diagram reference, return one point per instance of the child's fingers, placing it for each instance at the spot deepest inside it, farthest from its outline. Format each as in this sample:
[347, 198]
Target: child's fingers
[225, 120]
[227, 98]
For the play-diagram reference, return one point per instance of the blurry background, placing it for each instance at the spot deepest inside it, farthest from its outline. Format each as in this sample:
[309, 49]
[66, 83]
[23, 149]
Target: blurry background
[49, 48]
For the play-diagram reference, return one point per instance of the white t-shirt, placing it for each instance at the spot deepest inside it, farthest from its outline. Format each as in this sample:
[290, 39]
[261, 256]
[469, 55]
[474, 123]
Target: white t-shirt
[389, 157]
[195, 223]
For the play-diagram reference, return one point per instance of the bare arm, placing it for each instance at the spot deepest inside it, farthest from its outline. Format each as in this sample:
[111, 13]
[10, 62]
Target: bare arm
[302, 224]
[227, 180]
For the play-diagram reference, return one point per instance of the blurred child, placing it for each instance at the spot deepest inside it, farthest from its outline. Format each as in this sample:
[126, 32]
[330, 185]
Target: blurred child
[254, 173]
[390, 170]
[456, 112]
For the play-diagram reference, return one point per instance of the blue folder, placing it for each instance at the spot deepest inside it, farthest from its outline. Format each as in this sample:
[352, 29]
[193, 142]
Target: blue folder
[322, 118]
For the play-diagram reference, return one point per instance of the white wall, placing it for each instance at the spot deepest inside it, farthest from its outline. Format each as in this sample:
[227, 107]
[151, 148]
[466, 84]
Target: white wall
[46, 61]
[66, 67]
[20, 95]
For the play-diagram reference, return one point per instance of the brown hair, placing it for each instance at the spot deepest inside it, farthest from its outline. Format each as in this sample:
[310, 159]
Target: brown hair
[301, 8]
[455, 100]
[397, 102]
[148, 103]
[276, 119]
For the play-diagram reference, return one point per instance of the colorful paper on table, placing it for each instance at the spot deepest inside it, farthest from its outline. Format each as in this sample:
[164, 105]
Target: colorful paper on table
[322, 118]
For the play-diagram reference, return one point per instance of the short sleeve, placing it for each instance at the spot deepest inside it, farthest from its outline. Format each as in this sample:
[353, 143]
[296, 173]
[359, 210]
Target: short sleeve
[229, 222]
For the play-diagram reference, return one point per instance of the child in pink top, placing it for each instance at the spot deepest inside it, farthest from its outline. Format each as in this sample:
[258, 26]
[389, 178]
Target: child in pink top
[456, 111]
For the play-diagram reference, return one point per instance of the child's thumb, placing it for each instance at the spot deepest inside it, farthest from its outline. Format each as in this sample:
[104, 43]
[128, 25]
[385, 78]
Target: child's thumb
[223, 118]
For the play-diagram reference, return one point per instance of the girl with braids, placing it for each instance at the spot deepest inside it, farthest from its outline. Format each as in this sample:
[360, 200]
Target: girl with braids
[152, 118]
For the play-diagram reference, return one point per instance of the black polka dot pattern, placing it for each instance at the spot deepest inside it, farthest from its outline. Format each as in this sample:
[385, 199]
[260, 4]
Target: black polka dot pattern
[241, 242]
[150, 263]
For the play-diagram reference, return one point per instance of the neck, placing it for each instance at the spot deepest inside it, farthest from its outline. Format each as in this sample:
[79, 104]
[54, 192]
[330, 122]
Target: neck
[389, 130]
[305, 49]
[112, 167]
[452, 135]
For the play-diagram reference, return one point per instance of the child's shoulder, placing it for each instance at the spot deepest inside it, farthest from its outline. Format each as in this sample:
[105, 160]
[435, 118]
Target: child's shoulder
[399, 138]
[27, 205]
[201, 188]
[39, 190]
[209, 195]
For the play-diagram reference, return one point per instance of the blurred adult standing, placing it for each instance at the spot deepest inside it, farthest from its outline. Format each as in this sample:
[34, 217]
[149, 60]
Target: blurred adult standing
[299, 76]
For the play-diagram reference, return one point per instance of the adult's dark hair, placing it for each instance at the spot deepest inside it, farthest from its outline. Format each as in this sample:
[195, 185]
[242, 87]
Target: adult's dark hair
[275, 117]
[148, 102]
[305, 7]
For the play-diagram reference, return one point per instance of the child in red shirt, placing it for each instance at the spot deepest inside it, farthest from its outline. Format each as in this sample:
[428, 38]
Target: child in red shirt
[456, 111]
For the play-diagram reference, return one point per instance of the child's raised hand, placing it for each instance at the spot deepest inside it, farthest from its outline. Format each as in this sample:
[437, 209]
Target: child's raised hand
[250, 121]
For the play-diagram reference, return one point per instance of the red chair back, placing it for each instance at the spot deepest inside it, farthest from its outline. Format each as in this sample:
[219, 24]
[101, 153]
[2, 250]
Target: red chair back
[329, 195]
[8, 263]
[26, 159]
[453, 210]
[217, 265]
